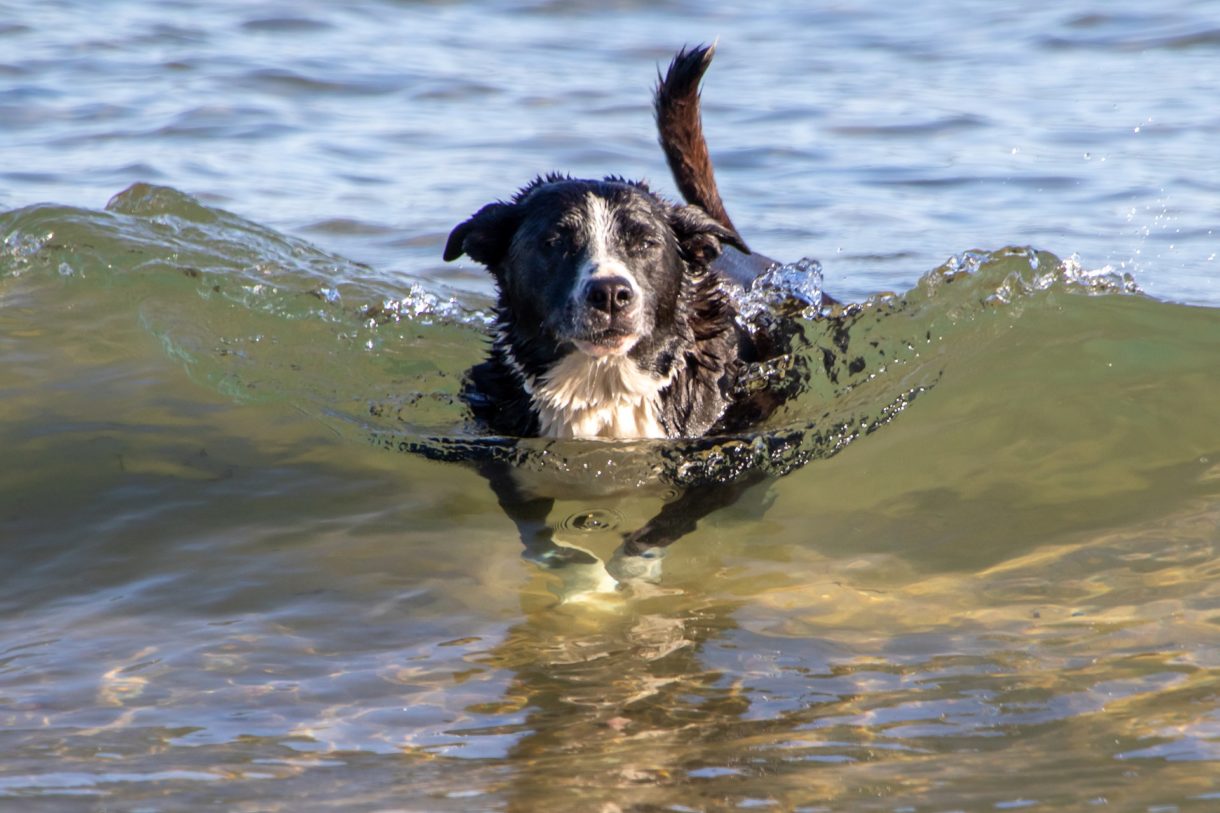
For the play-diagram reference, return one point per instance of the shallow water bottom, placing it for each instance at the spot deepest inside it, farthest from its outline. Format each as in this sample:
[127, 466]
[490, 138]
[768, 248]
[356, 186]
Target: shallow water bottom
[193, 619]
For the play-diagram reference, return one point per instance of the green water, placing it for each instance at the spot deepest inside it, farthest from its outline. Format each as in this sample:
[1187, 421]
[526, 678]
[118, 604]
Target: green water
[992, 584]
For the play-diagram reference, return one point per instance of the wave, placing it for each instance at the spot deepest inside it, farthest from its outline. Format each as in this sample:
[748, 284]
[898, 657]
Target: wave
[262, 316]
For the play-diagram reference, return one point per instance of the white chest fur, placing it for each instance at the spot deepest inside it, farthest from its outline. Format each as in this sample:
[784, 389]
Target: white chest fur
[606, 397]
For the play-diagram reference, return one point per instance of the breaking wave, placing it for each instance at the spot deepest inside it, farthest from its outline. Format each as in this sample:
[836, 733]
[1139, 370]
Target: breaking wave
[263, 316]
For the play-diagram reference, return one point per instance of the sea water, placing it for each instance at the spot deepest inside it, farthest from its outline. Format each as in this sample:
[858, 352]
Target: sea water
[983, 575]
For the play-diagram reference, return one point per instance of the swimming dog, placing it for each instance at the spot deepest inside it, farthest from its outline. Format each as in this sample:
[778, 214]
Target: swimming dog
[612, 320]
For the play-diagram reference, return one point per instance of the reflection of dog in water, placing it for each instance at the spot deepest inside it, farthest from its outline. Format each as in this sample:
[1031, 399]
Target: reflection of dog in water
[613, 321]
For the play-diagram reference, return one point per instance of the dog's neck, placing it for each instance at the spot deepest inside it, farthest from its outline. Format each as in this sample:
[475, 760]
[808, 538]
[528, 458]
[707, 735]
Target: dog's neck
[609, 397]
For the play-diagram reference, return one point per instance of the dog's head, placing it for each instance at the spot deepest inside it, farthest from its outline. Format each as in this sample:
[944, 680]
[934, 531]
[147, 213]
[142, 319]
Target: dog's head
[598, 267]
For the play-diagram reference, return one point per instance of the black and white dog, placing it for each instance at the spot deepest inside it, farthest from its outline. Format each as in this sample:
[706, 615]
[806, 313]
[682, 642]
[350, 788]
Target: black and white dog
[612, 319]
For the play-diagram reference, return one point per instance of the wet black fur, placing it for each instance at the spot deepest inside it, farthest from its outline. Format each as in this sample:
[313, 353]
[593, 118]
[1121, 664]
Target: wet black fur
[694, 338]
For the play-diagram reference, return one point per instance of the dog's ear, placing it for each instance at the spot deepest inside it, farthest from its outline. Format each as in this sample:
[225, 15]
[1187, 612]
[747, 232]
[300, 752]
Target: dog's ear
[700, 238]
[485, 236]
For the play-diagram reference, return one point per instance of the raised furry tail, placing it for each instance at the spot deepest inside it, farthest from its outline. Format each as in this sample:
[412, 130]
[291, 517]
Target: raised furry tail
[680, 127]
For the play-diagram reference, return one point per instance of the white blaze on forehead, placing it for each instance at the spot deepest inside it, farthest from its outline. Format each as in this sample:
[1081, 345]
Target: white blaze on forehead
[603, 253]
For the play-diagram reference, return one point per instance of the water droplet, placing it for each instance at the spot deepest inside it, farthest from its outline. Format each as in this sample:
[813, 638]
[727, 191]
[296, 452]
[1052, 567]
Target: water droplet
[593, 521]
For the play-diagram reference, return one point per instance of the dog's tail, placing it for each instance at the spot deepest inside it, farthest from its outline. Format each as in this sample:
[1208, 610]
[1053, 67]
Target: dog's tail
[680, 126]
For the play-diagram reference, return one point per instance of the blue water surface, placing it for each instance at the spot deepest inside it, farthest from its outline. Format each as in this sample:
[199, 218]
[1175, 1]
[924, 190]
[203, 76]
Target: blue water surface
[879, 138]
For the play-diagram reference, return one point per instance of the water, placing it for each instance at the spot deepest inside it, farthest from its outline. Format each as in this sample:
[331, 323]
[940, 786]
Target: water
[991, 585]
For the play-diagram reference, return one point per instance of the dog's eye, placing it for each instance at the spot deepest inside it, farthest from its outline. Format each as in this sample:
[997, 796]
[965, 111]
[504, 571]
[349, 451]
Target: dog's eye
[642, 242]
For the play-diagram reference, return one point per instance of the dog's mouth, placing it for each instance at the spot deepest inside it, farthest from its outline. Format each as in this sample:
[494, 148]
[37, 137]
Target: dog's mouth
[606, 343]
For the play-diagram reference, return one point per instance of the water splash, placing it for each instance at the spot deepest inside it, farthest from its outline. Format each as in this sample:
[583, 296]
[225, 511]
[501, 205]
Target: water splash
[1032, 272]
[793, 290]
[19, 247]
[425, 307]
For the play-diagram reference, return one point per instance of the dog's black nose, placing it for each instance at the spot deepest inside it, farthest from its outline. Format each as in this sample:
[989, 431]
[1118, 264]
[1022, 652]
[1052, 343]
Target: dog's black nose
[609, 294]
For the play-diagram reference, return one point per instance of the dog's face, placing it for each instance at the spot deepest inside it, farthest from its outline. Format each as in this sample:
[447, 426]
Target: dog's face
[595, 267]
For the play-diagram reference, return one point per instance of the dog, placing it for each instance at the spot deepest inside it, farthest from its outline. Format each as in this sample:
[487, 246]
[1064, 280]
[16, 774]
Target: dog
[612, 320]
